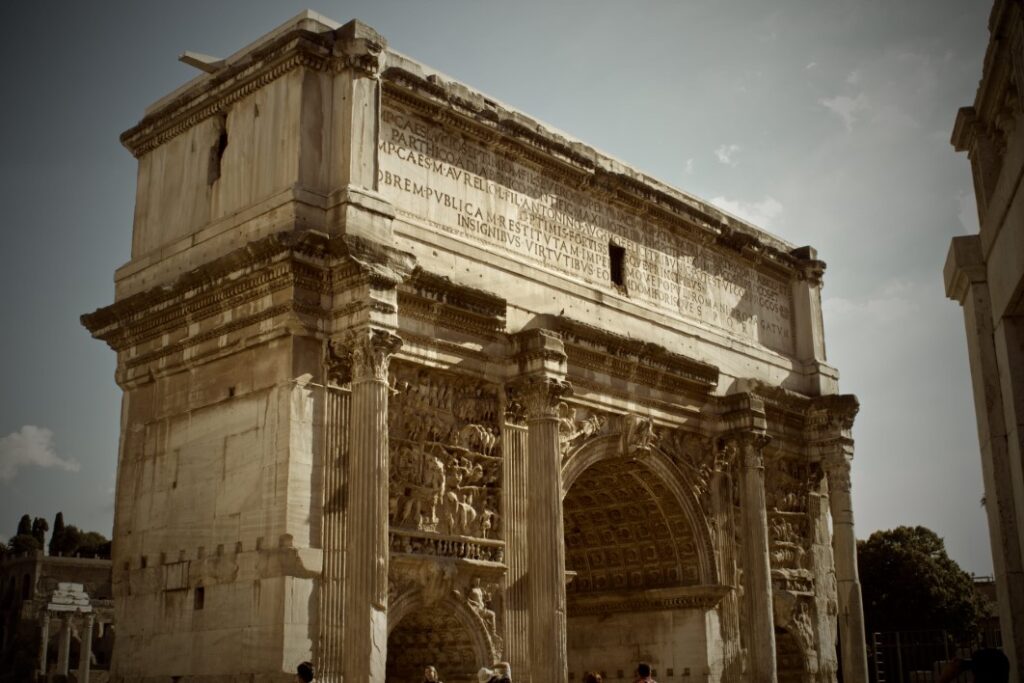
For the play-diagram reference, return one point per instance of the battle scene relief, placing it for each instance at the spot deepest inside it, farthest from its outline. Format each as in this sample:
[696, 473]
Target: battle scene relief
[445, 442]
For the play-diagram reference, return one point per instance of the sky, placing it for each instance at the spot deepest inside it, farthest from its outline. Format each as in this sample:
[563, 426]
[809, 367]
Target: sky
[826, 122]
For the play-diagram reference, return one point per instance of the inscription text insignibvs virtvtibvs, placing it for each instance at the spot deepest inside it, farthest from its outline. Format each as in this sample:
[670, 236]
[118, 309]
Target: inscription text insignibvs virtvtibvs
[460, 186]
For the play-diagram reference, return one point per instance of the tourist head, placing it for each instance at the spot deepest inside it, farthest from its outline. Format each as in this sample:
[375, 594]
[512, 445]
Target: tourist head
[430, 674]
[484, 675]
[643, 669]
[988, 666]
[503, 672]
[304, 673]
[592, 677]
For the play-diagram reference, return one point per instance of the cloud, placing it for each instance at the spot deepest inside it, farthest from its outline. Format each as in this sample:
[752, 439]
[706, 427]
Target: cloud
[30, 446]
[761, 213]
[689, 166]
[726, 152]
[849, 109]
[897, 302]
[811, 65]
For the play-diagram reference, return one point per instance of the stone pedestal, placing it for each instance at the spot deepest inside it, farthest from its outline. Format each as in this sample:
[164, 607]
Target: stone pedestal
[365, 626]
[844, 549]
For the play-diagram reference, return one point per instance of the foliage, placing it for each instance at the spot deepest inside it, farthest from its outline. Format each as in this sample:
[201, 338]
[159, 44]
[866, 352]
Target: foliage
[909, 583]
[24, 543]
[58, 534]
[67, 539]
[24, 526]
[39, 528]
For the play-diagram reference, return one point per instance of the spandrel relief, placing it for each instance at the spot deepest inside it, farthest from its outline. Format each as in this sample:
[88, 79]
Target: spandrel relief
[445, 441]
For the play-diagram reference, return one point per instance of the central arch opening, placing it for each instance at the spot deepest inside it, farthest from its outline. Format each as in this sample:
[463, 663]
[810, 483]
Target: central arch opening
[634, 571]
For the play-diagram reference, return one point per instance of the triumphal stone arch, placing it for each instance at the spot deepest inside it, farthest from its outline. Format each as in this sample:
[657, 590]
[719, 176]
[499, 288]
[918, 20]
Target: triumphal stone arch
[411, 379]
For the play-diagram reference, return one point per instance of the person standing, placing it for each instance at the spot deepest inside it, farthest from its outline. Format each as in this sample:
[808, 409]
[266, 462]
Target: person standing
[430, 675]
[304, 673]
[592, 677]
[643, 673]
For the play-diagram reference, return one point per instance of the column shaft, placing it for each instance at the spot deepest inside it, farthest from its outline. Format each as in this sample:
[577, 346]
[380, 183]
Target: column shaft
[64, 653]
[45, 645]
[515, 498]
[546, 562]
[757, 578]
[85, 650]
[366, 561]
[329, 656]
[844, 550]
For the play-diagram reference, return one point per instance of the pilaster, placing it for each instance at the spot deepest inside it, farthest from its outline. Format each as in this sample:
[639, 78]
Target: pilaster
[353, 206]
[966, 283]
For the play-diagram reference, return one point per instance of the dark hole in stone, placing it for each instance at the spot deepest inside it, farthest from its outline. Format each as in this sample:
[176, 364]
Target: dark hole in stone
[200, 597]
[217, 153]
[617, 258]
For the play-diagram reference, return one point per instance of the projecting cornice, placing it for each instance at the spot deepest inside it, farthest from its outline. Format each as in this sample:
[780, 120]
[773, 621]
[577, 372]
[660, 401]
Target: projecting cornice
[593, 349]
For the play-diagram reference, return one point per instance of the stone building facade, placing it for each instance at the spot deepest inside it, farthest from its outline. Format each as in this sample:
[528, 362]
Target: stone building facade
[985, 274]
[410, 378]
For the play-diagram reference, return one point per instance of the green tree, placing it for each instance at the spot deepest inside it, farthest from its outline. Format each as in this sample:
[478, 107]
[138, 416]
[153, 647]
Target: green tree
[24, 543]
[68, 542]
[93, 544]
[24, 526]
[909, 583]
[57, 536]
[39, 528]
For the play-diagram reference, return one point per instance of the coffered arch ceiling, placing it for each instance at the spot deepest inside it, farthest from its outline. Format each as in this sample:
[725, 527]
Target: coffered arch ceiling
[624, 529]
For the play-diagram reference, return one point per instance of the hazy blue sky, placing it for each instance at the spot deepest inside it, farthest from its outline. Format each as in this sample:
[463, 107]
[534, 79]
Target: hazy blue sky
[827, 122]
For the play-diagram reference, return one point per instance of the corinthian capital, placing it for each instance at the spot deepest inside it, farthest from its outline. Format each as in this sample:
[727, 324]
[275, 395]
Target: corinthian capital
[363, 354]
[540, 396]
[746, 447]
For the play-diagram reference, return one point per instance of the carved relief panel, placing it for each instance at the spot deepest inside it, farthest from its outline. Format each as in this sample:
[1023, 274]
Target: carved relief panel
[445, 442]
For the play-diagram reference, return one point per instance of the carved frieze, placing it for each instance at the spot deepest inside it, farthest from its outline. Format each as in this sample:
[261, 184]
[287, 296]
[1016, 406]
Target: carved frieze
[445, 442]
[577, 424]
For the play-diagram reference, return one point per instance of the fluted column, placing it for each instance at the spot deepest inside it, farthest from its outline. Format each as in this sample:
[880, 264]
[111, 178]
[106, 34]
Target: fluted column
[85, 649]
[547, 535]
[365, 626]
[757, 578]
[45, 645]
[515, 498]
[844, 549]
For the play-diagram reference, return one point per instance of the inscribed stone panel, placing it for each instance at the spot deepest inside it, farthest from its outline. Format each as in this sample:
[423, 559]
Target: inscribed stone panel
[479, 194]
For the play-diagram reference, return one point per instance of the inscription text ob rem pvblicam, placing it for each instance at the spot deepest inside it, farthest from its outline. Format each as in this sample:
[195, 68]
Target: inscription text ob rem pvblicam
[469, 190]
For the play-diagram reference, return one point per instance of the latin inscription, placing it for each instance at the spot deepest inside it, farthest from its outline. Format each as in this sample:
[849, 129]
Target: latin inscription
[479, 194]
